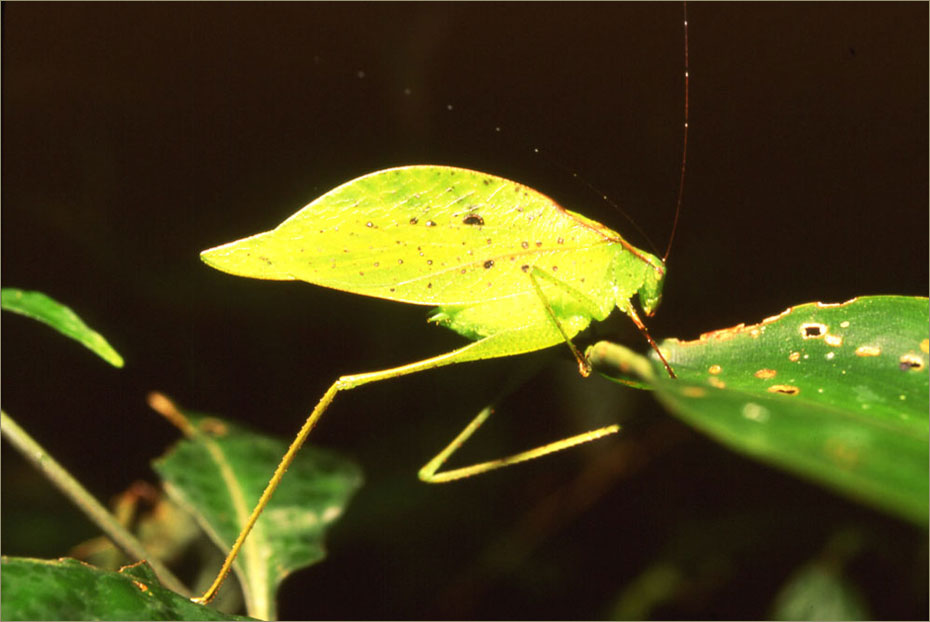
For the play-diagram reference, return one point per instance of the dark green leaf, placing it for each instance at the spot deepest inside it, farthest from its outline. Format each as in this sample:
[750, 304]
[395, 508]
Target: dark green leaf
[836, 393]
[219, 475]
[40, 307]
[66, 589]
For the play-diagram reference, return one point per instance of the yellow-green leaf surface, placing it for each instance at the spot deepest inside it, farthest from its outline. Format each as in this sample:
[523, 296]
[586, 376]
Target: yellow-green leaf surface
[219, 474]
[40, 307]
[66, 589]
[431, 235]
[837, 393]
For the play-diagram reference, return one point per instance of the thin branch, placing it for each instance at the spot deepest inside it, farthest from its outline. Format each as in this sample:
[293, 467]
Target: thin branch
[72, 489]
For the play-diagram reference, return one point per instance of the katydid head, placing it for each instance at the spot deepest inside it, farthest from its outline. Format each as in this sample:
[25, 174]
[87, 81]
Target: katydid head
[650, 292]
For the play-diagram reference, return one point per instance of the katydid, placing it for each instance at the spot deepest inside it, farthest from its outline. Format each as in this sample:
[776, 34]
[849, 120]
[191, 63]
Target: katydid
[504, 265]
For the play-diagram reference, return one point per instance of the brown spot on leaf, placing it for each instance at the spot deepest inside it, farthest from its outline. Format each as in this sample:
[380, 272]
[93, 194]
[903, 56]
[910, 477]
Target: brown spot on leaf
[868, 351]
[842, 453]
[765, 374]
[693, 392]
[473, 219]
[714, 369]
[911, 362]
[794, 357]
[211, 426]
[785, 389]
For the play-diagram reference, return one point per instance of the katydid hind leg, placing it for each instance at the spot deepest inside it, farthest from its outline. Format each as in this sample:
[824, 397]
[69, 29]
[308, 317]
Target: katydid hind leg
[430, 472]
[505, 343]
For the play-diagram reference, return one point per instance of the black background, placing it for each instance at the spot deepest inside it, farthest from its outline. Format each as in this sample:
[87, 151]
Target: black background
[136, 135]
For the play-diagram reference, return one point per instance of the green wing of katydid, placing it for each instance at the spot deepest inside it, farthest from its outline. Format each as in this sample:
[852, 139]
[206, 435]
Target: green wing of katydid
[432, 235]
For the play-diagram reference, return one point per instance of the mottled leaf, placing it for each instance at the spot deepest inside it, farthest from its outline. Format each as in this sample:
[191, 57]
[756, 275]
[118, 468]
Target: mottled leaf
[219, 474]
[837, 393]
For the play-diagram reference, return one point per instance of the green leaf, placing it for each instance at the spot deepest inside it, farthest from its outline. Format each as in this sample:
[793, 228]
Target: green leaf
[219, 474]
[40, 307]
[819, 589]
[819, 592]
[835, 393]
[66, 589]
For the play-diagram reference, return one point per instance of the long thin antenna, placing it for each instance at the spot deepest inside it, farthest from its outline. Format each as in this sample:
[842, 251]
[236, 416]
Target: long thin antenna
[617, 207]
[684, 145]
[544, 153]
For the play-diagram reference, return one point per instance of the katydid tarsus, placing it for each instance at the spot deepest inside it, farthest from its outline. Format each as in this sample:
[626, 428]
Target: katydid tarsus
[503, 265]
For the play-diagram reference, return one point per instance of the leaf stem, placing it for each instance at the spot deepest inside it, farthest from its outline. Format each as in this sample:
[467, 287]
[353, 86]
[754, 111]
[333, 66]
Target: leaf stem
[92, 508]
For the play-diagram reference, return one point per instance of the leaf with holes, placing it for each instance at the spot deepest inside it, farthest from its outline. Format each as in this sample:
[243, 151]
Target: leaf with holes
[219, 474]
[837, 393]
